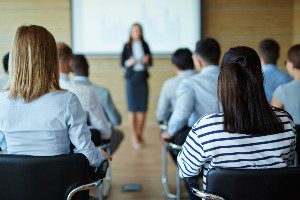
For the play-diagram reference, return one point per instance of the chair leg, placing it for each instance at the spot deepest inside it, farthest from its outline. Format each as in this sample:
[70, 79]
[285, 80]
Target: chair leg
[100, 193]
[164, 177]
[107, 183]
[178, 185]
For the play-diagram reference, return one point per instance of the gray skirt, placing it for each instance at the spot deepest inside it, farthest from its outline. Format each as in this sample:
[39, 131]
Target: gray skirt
[137, 91]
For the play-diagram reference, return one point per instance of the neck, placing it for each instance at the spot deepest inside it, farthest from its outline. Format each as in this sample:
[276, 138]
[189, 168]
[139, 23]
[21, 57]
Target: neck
[296, 74]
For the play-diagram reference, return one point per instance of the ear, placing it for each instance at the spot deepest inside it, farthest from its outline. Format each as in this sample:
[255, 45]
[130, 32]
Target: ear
[70, 64]
[196, 61]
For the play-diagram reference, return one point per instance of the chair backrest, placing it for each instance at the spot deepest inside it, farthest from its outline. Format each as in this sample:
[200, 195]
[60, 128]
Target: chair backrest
[298, 144]
[42, 177]
[254, 184]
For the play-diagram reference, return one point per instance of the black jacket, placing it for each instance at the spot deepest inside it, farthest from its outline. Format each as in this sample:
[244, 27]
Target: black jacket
[127, 53]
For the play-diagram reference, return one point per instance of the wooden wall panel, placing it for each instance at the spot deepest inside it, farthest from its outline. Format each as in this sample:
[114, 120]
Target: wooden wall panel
[232, 22]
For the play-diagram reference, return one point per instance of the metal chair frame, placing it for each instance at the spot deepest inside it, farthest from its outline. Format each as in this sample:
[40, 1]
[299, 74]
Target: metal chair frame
[105, 188]
[205, 195]
[164, 177]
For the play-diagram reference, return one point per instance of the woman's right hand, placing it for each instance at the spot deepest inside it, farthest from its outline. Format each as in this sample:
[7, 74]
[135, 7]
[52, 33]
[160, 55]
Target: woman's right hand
[131, 61]
[106, 155]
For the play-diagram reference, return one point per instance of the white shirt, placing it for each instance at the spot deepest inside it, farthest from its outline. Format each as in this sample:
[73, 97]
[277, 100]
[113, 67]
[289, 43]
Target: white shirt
[196, 96]
[45, 126]
[138, 54]
[167, 97]
[88, 100]
[3, 81]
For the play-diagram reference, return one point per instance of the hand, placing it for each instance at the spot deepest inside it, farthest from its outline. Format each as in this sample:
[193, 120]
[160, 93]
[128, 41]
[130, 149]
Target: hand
[146, 59]
[106, 155]
[165, 135]
[131, 61]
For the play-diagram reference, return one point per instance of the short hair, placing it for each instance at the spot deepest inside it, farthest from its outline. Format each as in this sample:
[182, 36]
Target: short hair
[209, 50]
[64, 52]
[294, 55]
[80, 65]
[5, 62]
[269, 51]
[182, 58]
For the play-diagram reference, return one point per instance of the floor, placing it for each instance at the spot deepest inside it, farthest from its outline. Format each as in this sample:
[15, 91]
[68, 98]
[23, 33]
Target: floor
[140, 166]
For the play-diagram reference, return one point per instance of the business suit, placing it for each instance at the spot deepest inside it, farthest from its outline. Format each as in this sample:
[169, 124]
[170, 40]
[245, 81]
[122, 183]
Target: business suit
[136, 76]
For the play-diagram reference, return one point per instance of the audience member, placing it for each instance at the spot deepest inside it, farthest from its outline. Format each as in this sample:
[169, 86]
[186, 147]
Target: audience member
[184, 68]
[4, 78]
[249, 134]
[38, 117]
[269, 52]
[95, 114]
[197, 95]
[80, 68]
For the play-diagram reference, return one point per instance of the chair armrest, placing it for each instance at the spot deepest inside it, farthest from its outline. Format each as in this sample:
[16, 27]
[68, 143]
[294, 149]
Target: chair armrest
[205, 195]
[96, 179]
[173, 146]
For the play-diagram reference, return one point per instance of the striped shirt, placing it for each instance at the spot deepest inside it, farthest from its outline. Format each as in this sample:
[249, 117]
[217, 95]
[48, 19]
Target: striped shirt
[208, 146]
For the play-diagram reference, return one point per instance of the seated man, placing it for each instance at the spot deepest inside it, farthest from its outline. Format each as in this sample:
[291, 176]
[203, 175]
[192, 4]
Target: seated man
[95, 115]
[184, 68]
[197, 95]
[4, 79]
[269, 52]
[80, 68]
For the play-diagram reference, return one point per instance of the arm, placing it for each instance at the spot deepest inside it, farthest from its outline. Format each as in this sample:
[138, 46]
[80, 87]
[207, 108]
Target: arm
[278, 98]
[183, 108]
[127, 60]
[164, 104]
[148, 52]
[79, 133]
[192, 157]
[3, 145]
[97, 117]
[111, 111]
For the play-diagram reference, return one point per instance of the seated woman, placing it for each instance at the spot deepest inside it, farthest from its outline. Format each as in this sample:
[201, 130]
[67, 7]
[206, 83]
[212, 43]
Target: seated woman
[38, 117]
[249, 133]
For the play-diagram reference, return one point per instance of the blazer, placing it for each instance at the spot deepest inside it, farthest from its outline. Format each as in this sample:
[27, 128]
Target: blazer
[127, 53]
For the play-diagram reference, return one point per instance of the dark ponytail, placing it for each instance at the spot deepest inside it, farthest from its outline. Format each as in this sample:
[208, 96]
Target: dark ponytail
[241, 92]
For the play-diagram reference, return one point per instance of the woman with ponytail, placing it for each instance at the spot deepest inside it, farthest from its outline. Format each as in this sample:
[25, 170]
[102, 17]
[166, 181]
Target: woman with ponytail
[248, 133]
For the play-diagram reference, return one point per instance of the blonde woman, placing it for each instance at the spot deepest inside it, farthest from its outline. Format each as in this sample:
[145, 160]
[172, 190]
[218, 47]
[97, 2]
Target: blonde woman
[38, 117]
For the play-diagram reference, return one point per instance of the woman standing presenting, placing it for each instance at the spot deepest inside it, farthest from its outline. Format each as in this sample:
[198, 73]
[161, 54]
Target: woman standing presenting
[136, 58]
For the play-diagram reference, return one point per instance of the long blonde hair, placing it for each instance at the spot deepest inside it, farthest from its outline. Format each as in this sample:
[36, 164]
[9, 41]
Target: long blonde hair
[33, 64]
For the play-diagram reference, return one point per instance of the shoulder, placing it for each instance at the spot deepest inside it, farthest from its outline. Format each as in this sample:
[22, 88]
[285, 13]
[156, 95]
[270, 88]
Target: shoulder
[207, 122]
[4, 97]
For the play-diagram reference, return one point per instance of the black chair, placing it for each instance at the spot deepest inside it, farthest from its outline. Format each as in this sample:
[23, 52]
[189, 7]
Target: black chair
[251, 184]
[298, 145]
[48, 177]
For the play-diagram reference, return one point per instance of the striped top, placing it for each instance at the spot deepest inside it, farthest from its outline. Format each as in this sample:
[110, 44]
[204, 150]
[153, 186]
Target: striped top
[208, 146]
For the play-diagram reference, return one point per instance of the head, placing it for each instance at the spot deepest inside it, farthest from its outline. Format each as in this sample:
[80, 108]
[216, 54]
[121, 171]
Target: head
[64, 57]
[182, 59]
[136, 33]
[33, 63]
[269, 51]
[293, 60]
[207, 53]
[241, 92]
[80, 65]
[5, 62]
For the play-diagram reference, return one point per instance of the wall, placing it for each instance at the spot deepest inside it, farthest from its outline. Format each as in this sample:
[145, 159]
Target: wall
[232, 22]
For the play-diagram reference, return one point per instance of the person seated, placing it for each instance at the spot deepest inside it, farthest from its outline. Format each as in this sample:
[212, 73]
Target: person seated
[269, 51]
[4, 78]
[37, 116]
[80, 68]
[249, 133]
[197, 95]
[287, 96]
[95, 114]
[184, 68]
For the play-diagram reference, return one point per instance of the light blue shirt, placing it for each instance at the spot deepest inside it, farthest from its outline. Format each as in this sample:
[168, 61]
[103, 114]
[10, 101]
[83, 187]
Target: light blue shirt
[196, 97]
[104, 99]
[45, 126]
[273, 78]
[3, 81]
[289, 95]
[167, 95]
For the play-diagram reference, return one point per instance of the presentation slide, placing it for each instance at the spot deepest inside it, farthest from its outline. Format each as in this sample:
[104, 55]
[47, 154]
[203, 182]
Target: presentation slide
[101, 27]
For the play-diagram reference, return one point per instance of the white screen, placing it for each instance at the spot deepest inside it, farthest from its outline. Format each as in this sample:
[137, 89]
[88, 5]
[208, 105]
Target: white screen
[102, 26]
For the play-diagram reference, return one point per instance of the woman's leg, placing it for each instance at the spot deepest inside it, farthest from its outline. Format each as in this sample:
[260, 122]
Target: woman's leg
[141, 118]
[133, 120]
